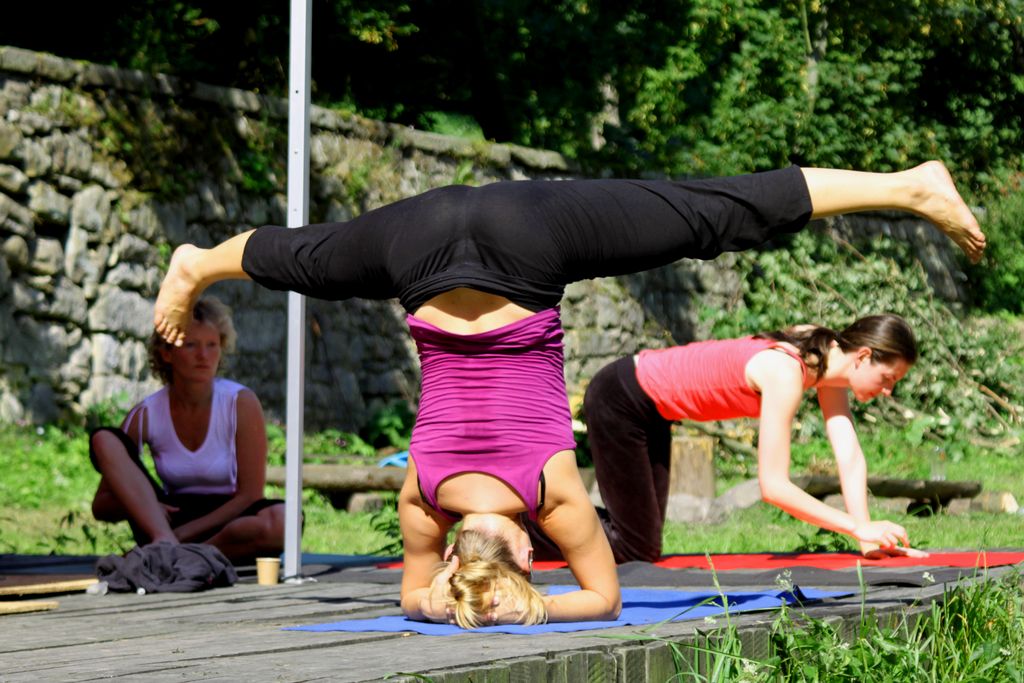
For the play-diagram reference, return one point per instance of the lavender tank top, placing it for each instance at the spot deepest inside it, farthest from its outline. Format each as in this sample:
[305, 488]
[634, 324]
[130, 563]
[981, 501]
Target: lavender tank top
[213, 467]
[493, 402]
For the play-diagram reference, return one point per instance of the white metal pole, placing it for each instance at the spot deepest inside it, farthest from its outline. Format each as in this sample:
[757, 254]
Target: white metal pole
[298, 214]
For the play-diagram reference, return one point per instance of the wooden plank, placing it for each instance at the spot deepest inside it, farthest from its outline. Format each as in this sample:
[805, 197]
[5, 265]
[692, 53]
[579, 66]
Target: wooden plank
[692, 466]
[820, 485]
[22, 606]
[164, 637]
[344, 478]
[48, 588]
[331, 478]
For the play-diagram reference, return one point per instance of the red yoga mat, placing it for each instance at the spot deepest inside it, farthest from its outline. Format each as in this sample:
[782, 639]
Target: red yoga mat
[981, 559]
[973, 558]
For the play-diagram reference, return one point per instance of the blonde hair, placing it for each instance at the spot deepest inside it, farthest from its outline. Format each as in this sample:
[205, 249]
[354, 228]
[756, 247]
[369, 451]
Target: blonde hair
[485, 562]
[208, 310]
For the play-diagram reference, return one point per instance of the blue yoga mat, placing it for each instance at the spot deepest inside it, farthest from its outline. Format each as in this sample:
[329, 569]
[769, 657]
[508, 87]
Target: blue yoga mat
[639, 606]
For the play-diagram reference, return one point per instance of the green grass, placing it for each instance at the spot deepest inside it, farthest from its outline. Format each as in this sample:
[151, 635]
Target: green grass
[328, 530]
[973, 634]
[48, 486]
[763, 528]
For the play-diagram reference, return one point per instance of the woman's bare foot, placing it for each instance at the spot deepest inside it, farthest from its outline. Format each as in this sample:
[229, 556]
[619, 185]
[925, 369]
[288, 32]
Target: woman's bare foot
[936, 198]
[172, 312]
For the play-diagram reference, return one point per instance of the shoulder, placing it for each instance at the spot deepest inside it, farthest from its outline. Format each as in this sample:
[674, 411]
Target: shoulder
[247, 403]
[229, 387]
[771, 368]
[154, 401]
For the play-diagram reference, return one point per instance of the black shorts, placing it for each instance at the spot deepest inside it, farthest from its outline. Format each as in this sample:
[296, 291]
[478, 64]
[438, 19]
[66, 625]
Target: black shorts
[190, 505]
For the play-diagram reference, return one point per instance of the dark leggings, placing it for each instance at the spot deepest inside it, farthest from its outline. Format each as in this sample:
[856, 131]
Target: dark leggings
[630, 443]
[190, 505]
[526, 240]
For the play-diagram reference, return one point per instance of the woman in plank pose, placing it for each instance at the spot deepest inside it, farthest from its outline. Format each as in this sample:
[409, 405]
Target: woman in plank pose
[631, 403]
[208, 442]
[480, 272]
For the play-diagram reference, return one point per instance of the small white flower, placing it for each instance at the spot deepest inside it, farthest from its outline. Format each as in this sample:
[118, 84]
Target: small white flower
[927, 577]
[784, 580]
[711, 621]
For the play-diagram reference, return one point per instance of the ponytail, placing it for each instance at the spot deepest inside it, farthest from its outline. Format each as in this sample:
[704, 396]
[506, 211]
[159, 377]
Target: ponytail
[888, 336]
[812, 341]
[486, 565]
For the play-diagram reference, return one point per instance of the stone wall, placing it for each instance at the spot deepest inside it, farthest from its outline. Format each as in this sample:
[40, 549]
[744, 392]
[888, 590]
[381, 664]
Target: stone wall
[104, 171]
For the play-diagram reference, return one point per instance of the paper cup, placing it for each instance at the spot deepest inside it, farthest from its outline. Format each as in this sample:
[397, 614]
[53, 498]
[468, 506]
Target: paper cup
[267, 569]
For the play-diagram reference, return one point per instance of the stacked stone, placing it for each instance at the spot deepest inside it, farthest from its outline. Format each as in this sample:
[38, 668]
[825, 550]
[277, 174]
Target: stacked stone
[84, 249]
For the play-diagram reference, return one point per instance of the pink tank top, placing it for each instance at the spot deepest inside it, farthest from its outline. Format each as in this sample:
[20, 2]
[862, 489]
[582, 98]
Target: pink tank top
[705, 380]
[493, 402]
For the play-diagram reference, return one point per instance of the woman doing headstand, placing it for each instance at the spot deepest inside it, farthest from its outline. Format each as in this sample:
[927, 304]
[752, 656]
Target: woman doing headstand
[480, 272]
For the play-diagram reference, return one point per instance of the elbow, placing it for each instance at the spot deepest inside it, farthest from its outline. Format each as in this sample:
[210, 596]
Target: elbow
[773, 491]
[612, 608]
[409, 608]
[249, 494]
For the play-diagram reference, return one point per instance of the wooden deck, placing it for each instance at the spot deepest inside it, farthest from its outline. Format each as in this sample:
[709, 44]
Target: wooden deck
[235, 634]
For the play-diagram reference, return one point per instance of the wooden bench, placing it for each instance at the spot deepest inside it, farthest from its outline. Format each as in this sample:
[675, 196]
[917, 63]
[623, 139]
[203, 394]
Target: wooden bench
[341, 484]
[343, 478]
[937, 492]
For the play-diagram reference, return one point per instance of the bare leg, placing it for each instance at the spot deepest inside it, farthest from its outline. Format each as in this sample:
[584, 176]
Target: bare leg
[926, 190]
[125, 492]
[190, 272]
[247, 537]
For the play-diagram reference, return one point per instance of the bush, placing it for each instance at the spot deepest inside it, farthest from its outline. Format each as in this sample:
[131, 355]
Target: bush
[999, 278]
[969, 380]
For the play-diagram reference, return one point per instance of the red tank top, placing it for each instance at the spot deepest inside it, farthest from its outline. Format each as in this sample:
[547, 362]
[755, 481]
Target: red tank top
[706, 380]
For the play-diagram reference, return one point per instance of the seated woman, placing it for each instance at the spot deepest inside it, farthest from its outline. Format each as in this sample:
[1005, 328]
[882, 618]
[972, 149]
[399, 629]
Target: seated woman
[631, 403]
[480, 272]
[208, 441]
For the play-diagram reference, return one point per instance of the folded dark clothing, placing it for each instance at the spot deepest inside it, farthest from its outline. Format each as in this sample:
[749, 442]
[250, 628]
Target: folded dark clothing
[167, 568]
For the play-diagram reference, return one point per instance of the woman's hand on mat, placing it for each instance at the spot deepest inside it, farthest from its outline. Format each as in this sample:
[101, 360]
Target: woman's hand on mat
[506, 609]
[886, 535]
[436, 605]
[871, 551]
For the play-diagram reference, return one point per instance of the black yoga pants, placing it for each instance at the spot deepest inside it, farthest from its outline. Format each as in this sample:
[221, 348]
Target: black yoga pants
[630, 443]
[526, 240]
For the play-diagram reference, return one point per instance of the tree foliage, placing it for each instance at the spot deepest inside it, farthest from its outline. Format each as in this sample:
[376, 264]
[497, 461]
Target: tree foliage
[870, 85]
[674, 86]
